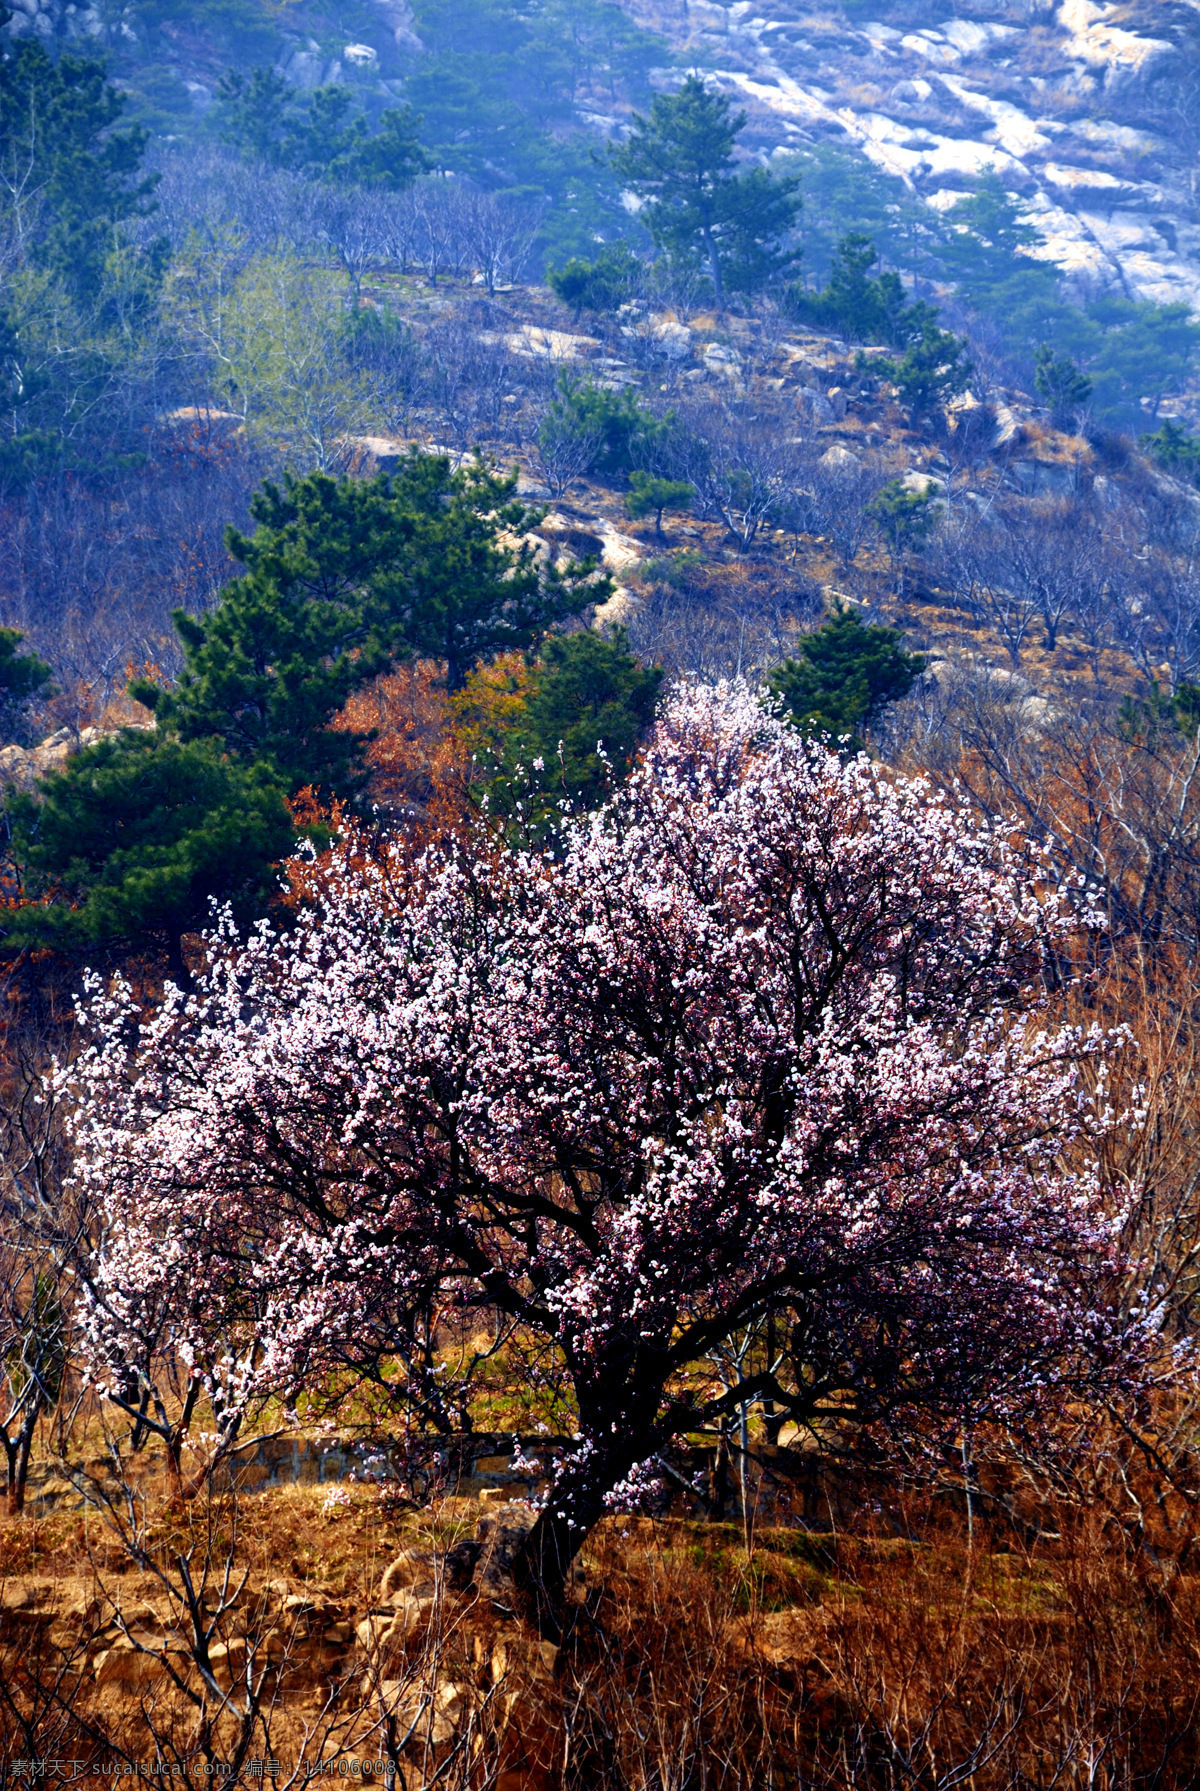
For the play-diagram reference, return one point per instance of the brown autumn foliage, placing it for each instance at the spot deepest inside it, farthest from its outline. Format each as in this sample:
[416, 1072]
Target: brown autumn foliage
[430, 748]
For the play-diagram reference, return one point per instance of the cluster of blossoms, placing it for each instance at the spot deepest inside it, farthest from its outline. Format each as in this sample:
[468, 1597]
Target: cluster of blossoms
[764, 1035]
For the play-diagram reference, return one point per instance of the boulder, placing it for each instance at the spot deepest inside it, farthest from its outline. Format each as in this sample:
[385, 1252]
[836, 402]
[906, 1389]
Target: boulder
[534, 343]
[125, 1664]
[1043, 478]
[433, 1716]
[415, 1567]
[922, 484]
[385, 1631]
[840, 460]
[616, 613]
[662, 332]
[722, 361]
[367, 455]
[672, 338]
[814, 407]
[502, 1536]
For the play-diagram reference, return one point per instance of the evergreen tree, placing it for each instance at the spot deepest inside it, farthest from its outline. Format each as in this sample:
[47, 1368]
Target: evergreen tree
[650, 495]
[1139, 353]
[133, 840]
[680, 163]
[601, 284]
[1175, 450]
[934, 367]
[1059, 381]
[846, 675]
[614, 422]
[854, 304]
[23, 678]
[905, 519]
[67, 174]
[343, 575]
[320, 136]
[575, 736]
[845, 194]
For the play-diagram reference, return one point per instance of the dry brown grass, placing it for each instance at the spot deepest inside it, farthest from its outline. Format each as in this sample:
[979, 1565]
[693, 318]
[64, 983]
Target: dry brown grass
[833, 1661]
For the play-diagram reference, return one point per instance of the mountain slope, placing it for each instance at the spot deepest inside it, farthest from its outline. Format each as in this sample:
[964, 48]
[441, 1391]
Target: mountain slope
[1090, 112]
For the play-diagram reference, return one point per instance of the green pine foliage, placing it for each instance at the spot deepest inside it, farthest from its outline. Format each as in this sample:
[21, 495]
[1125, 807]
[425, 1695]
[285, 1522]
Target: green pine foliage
[589, 705]
[320, 135]
[500, 90]
[700, 210]
[619, 429]
[846, 675]
[857, 306]
[69, 176]
[845, 194]
[650, 495]
[132, 842]
[342, 576]
[1143, 721]
[1172, 448]
[80, 294]
[1128, 351]
[904, 517]
[23, 678]
[1133, 352]
[601, 284]
[1062, 385]
[934, 368]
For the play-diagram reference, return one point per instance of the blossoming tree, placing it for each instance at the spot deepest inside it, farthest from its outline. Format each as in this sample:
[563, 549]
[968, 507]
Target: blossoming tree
[764, 1036]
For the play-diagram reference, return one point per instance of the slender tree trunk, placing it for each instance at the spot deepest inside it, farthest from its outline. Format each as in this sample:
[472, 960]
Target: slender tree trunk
[714, 262]
[11, 1505]
[720, 1477]
[18, 1452]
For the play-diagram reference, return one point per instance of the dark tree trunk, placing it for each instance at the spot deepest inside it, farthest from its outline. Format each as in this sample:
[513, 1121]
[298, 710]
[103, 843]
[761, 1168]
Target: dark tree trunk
[719, 1488]
[575, 1506]
[17, 1452]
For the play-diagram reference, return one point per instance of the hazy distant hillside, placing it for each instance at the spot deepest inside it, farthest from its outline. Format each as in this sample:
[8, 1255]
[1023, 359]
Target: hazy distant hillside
[1090, 112]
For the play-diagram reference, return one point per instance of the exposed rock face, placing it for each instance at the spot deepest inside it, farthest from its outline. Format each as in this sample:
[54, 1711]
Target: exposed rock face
[196, 50]
[1074, 103]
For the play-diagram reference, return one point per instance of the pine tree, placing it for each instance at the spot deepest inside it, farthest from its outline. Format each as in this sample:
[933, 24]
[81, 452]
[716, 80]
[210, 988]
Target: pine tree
[847, 673]
[1060, 382]
[680, 162]
[64, 166]
[131, 843]
[342, 576]
[133, 839]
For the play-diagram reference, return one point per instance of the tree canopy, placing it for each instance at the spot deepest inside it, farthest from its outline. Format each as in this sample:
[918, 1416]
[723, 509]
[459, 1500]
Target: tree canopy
[570, 740]
[344, 575]
[846, 675]
[23, 678]
[697, 207]
[319, 135]
[69, 175]
[131, 840]
[767, 1036]
[131, 844]
[857, 306]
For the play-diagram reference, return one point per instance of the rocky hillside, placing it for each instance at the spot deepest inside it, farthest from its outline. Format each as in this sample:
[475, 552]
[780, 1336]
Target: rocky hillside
[169, 56]
[1088, 111]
